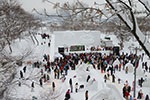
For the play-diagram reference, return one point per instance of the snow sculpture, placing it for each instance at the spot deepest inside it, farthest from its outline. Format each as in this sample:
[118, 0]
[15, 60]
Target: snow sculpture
[105, 94]
[130, 67]
[83, 72]
[146, 82]
[92, 85]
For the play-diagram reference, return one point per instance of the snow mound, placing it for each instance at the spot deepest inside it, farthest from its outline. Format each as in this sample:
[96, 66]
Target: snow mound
[105, 94]
[130, 67]
[92, 85]
[146, 83]
[109, 92]
[139, 71]
[82, 71]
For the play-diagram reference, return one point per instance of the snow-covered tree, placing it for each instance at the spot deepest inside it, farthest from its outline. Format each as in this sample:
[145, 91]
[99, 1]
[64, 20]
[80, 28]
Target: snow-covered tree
[14, 22]
[125, 11]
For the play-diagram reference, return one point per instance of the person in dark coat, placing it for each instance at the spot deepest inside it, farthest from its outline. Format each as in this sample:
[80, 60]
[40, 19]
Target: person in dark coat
[129, 89]
[71, 86]
[32, 86]
[48, 78]
[88, 77]
[19, 83]
[105, 78]
[49, 44]
[113, 78]
[67, 95]
[24, 69]
[53, 86]
[111, 70]
[124, 90]
[41, 83]
[21, 74]
[140, 95]
[119, 80]
[147, 97]
[142, 80]
[86, 95]
[58, 73]
[55, 73]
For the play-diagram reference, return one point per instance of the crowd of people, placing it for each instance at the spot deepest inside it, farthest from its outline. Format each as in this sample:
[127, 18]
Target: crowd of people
[99, 61]
[105, 64]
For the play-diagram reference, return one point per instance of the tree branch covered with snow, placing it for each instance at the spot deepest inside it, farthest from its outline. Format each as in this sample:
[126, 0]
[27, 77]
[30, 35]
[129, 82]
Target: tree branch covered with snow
[130, 21]
[14, 22]
[81, 15]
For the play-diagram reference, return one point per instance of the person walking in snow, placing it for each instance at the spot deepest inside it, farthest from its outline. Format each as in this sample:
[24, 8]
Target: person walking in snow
[88, 77]
[24, 69]
[86, 95]
[49, 44]
[19, 83]
[71, 86]
[48, 78]
[67, 95]
[55, 73]
[44, 77]
[41, 83]
[147, 97]
[140, 94]
[76, 87]
[146, 68]
[124, 90]
[105, 78]
[32, 87]
[126, 70]
[58, 73]
[113, 78]
[119, 80]
[53, 86]
[142, 56]
[21, 74]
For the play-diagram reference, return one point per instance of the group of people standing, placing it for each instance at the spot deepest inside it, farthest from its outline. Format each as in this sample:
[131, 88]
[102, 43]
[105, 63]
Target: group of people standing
[99, 61]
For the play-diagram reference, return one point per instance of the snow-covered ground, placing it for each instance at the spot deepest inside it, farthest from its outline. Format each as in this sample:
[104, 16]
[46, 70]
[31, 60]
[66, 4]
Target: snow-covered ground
[98, 89]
